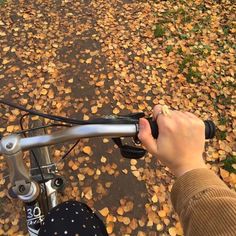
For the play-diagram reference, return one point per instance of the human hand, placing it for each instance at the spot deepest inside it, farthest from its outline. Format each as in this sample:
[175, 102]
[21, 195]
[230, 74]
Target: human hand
[181, 140]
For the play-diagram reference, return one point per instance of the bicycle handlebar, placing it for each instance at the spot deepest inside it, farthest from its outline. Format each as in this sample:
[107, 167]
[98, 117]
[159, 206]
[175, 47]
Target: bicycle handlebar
[12, 146]
[88, 131]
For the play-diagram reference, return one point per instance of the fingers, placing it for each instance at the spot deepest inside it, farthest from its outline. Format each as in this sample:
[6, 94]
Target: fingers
[156, 111]
[145, 136]
[190, 115]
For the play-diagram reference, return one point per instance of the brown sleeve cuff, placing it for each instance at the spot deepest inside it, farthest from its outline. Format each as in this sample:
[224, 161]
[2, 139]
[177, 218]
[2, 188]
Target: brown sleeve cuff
[191, 183]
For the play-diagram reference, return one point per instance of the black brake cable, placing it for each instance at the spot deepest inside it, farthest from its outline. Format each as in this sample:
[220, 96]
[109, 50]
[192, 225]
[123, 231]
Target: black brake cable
[105, 120]
[36, 160]
[41, 127]
[51, 117]
[68, 152]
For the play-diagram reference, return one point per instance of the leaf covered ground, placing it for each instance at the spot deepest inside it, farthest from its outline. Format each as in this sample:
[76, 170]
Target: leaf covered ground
[92, 58]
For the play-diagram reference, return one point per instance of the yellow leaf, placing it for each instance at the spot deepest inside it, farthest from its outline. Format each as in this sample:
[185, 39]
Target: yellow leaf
[85, 117]
[136, 173]
[110, 218]
[133, 162]
[2, 33]
[172, 231]
[110, 227]
[224, 174]
[74, 167]
[38, 107]
[105, 140]
[100, 83]
[162, 213]
[141, 106]
[89, 194]
[126, 220]
[89, 60]
[154, 198]
[6, 49]
[120, 211]
[50, 94]
[94, 109]
[116, 111]
[104, 212]
[159, 227]
[81, 177]
[44, 91]
[10, 128]
[68, 90]
[87, 150]
[5, 61]
[103, 159]
[55, 45]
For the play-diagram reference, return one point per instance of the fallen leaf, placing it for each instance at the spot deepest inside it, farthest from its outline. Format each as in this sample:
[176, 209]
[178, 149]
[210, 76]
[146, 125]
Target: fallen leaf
[87, 150]
[104, 212]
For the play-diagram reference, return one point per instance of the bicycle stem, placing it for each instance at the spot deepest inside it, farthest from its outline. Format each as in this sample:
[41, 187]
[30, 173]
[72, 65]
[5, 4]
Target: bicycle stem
[21, 184]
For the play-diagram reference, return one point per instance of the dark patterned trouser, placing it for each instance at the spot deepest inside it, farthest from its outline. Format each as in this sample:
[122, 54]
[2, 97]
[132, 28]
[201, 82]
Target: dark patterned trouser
[72, 218]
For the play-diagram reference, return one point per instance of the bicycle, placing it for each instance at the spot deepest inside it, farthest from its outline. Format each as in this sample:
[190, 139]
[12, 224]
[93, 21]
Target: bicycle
[39, 188]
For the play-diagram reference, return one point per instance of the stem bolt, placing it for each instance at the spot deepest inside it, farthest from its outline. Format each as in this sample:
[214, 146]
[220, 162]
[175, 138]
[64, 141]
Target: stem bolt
[21, 188]
[9, 145]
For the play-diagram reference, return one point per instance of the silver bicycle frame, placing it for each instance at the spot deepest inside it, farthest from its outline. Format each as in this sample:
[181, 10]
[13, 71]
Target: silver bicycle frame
[12, 146]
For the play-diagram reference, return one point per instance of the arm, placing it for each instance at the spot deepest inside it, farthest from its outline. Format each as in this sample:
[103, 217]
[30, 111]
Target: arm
[205, 205]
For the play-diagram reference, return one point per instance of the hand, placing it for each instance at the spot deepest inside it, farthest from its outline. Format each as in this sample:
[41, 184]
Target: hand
[180, 143]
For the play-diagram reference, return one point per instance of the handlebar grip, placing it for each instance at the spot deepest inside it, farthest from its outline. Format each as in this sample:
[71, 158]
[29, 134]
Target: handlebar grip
[210, 128]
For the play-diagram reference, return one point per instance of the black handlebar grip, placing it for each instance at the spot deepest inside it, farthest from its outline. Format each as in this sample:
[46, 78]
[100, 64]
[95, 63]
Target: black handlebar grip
[210, 128]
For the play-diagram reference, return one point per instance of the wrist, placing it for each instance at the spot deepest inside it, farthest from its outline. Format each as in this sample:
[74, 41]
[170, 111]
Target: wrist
[184, 169]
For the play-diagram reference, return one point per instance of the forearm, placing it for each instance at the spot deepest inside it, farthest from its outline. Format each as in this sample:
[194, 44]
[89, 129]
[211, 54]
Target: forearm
[205, 205]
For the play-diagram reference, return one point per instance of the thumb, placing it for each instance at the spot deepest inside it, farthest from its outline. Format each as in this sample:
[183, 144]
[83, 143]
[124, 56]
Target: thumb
[145, 136]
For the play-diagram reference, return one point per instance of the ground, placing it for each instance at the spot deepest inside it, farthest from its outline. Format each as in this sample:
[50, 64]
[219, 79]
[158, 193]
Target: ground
[90, 58]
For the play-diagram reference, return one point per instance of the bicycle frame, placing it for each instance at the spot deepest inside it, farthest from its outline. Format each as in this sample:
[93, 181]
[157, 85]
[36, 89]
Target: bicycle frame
[31, 192]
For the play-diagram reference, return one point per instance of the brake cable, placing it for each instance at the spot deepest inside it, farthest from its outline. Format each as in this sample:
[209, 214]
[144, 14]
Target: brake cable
[128, 119]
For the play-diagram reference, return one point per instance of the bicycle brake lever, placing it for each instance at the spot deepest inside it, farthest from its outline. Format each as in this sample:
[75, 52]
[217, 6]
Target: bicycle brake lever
[129, 152]
[132, 152]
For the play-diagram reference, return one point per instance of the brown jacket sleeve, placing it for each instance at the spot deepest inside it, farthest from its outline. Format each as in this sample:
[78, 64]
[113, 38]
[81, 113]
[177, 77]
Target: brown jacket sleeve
[205, 205]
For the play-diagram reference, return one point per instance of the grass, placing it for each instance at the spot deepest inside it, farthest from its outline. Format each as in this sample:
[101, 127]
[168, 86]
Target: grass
[2, 2]
[205, 21]
[226, 29]
[186, 60]
[221, 135]
[193, 74]
[188, 67]
[222, 99]
[223, 120]
[183, 36]
[169, 48]
[228, 162]
[159, 31]
[202, 50]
